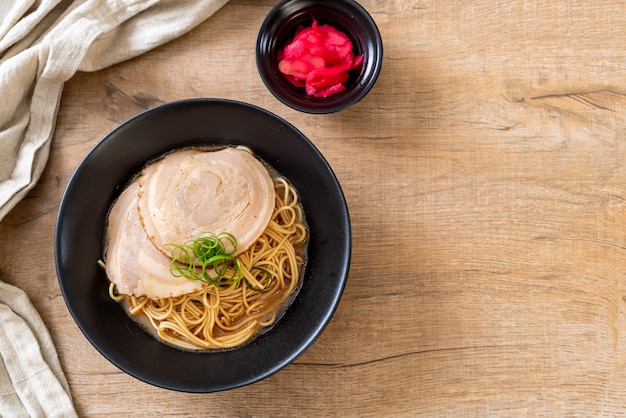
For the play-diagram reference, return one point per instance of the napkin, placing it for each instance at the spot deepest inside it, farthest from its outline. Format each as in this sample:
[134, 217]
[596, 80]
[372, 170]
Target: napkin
[44, 42]
[32, 383]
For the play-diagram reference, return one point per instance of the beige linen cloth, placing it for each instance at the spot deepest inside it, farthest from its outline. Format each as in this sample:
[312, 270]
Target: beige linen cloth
[42, 44]
[32, 382]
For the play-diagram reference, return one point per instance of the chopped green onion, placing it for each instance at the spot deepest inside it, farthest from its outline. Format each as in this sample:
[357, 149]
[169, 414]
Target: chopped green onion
[209, 258]
[269, 282]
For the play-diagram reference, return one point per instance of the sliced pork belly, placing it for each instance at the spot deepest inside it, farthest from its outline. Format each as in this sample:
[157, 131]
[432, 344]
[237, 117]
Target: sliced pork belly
[191, 192]
[132, 262]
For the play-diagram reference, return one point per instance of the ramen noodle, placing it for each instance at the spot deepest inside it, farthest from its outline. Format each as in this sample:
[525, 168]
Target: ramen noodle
[223, 304]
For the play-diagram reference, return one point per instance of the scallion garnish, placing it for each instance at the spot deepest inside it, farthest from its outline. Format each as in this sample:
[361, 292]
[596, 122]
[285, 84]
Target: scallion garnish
[209, 258]
[269, 281]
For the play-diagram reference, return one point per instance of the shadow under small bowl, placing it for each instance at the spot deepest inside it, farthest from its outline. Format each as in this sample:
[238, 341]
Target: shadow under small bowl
[347, 16]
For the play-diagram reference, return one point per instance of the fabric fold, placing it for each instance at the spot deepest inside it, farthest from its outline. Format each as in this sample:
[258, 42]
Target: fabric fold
[45, 43]
[32, 382]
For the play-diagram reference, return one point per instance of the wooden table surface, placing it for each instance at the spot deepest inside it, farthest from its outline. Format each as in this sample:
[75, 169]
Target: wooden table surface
[486, 179]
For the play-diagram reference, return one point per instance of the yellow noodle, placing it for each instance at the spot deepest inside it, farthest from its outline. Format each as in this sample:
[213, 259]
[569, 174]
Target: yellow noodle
[229, 316]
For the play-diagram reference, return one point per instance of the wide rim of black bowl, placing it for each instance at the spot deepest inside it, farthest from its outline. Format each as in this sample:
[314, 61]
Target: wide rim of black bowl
[101, 176]
[346, 15]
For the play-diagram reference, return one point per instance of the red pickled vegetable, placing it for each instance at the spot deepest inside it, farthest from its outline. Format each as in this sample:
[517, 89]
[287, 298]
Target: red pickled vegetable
[318, 59]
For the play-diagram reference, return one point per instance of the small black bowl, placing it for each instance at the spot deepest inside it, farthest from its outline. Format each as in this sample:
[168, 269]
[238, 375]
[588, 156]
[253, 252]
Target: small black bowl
[100, 178]
[347, 16]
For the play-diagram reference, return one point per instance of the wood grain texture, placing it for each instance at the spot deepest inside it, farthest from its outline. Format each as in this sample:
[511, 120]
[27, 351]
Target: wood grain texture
[485, 175]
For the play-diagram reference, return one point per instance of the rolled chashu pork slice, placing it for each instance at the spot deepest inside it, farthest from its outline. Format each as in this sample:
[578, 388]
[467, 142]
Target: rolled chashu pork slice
[132, 262]
[191, 192]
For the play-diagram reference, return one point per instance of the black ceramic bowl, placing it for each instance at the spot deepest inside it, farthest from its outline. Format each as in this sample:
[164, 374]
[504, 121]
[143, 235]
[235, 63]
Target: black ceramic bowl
[99, 179]
[349, 17]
